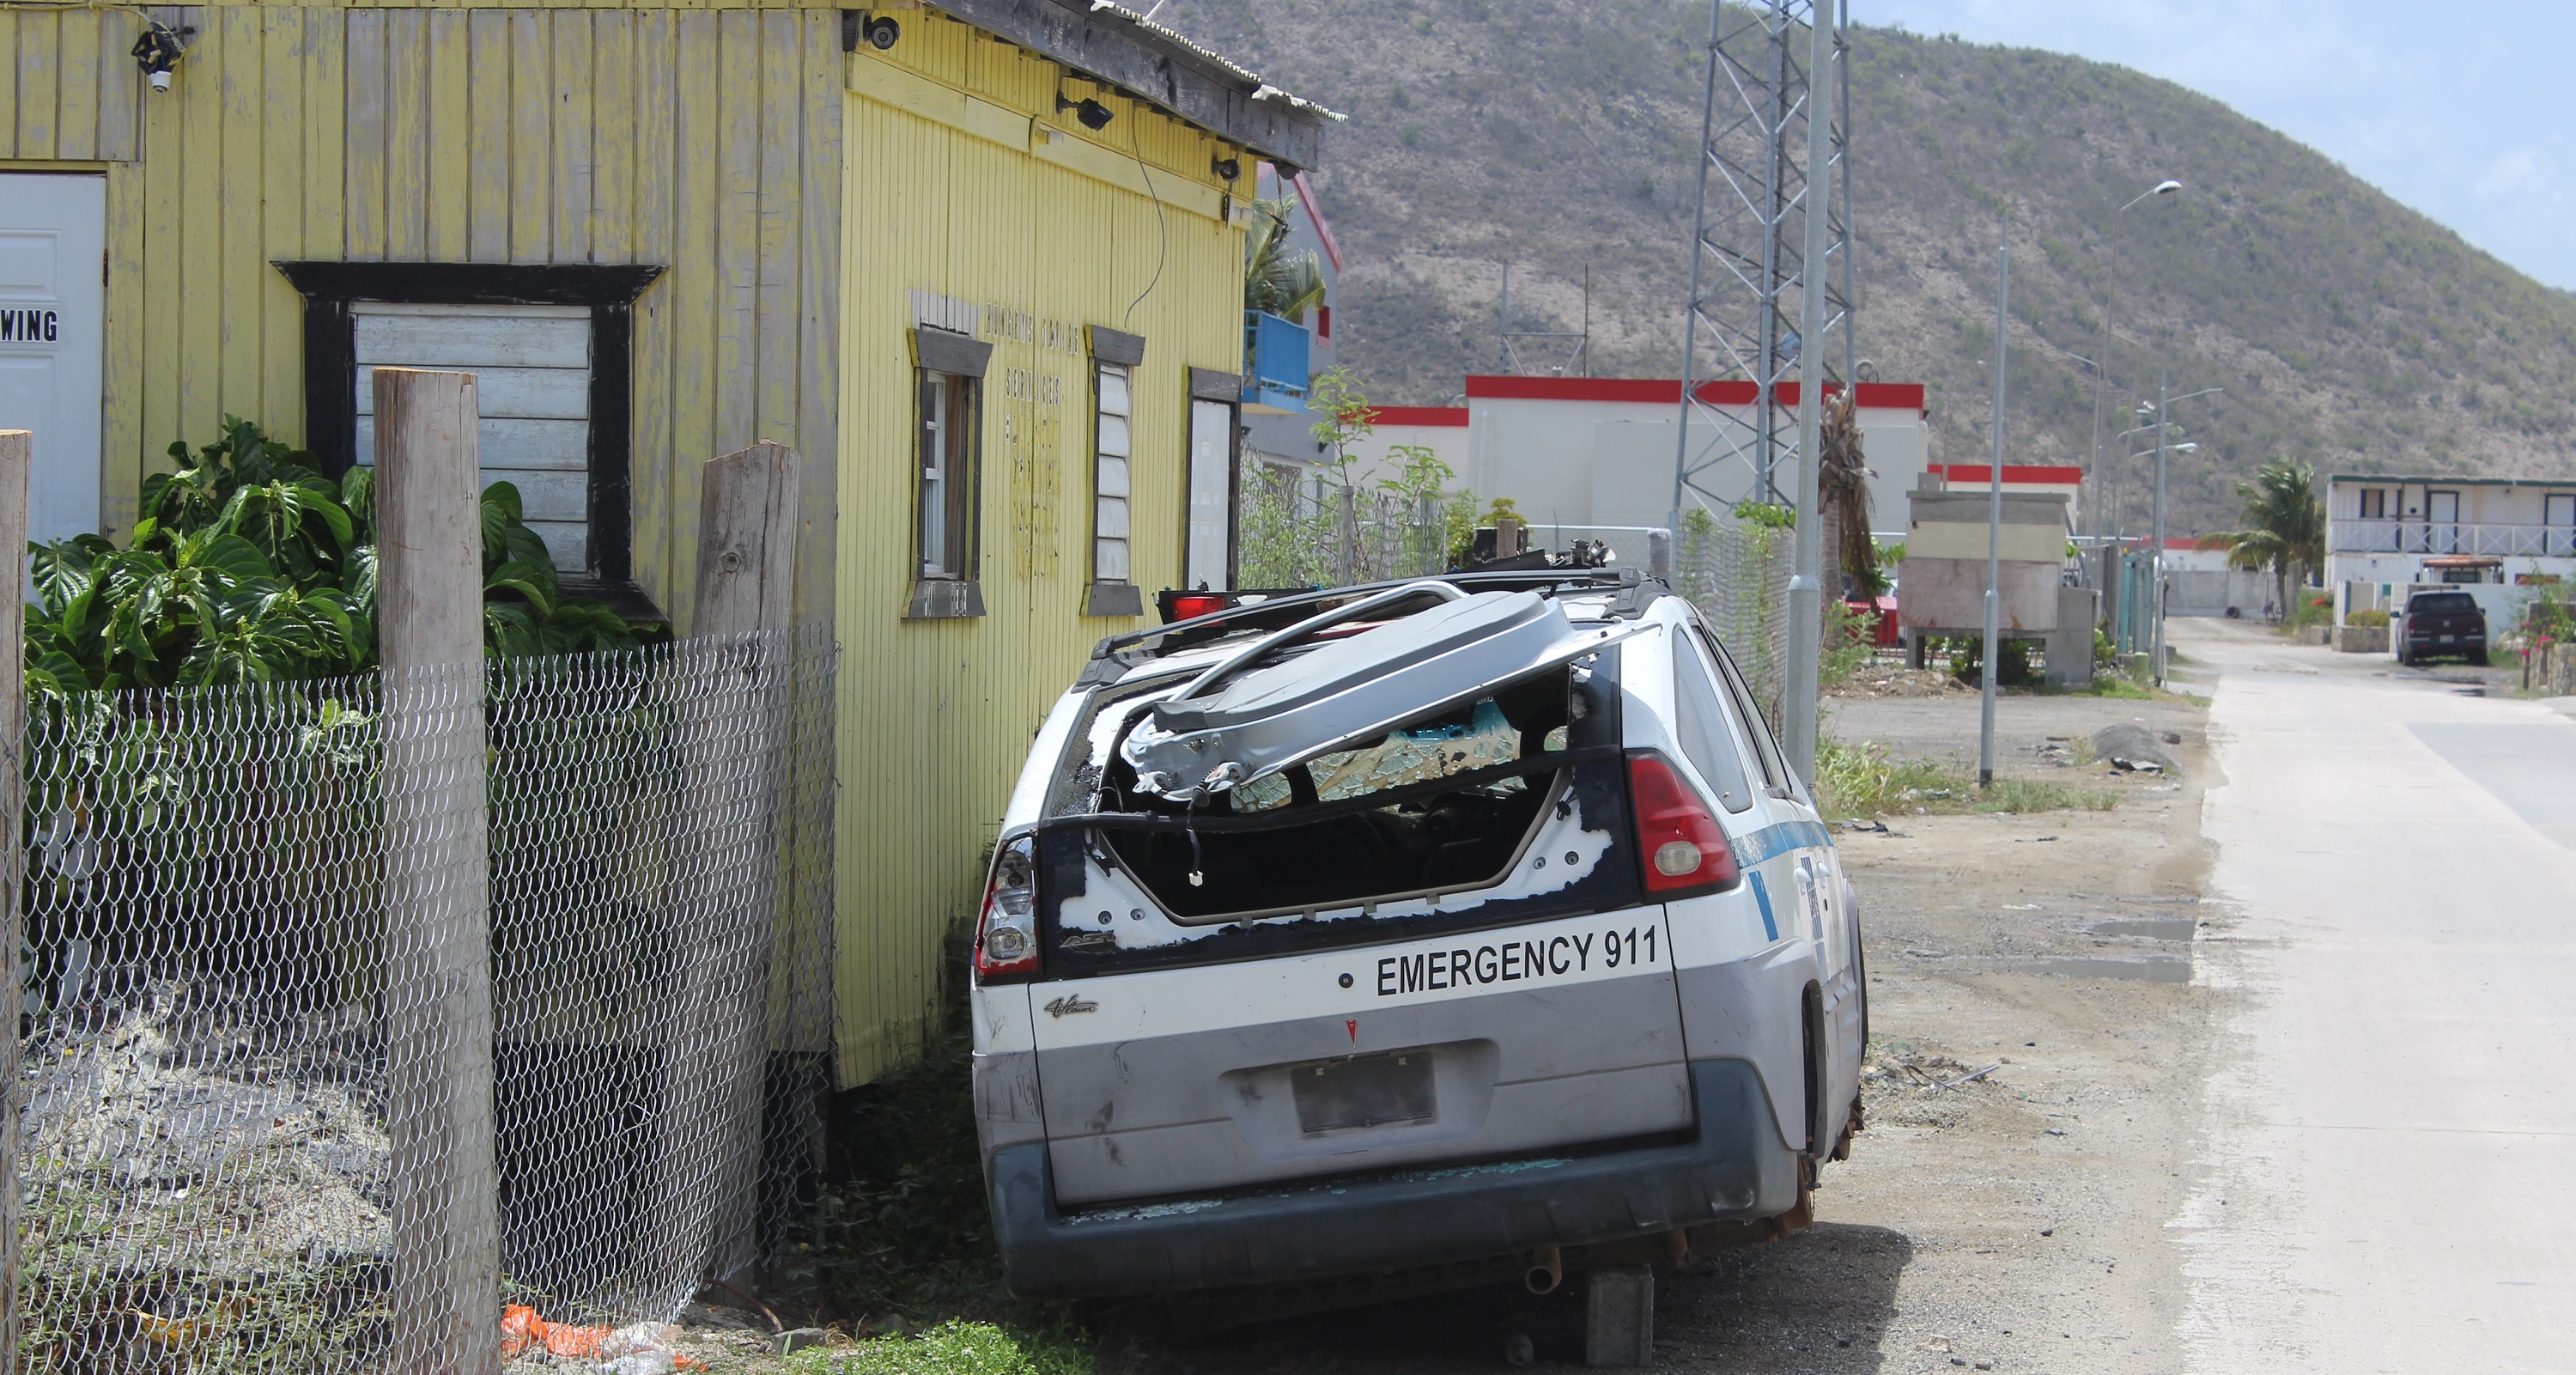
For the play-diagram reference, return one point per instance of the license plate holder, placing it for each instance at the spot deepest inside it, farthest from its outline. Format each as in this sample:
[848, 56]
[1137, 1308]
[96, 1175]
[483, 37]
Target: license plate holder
[1364, 1091]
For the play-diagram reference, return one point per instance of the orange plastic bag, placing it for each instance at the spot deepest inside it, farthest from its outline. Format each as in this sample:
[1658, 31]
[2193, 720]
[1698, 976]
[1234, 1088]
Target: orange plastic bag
[521, 1328]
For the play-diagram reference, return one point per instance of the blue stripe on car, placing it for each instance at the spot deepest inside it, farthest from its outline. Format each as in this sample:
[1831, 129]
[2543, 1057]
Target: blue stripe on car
[1779, 839]
[1762, 898]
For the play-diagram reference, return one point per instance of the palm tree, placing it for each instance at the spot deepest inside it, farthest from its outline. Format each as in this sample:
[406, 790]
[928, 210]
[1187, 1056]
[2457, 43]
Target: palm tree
[1275, 280]
[1842, 491]
[2285, 524]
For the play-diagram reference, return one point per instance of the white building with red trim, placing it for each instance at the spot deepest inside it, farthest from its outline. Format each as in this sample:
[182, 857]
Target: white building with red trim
[2020, 479]
[1592, 457]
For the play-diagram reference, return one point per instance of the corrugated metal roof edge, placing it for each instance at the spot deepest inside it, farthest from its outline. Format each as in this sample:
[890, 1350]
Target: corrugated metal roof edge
[1064, 31]
[1165, 36]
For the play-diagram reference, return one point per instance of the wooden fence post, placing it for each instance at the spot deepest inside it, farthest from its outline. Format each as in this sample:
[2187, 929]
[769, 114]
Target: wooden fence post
[438, 990]
[747, 541]
[717, 1060]
[15, 448]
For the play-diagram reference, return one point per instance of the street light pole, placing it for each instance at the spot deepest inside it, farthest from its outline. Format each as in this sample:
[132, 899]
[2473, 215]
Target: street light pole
[1994, 525]
[2156, 656]
[1807, 576]
[2163, 407]
[2108, 518]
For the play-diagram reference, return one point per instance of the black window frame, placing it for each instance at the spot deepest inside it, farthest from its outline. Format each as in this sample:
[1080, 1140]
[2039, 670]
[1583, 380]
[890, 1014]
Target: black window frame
[609, 290]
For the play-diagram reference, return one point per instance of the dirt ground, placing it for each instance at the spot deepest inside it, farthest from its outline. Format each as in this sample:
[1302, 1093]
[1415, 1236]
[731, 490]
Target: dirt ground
[2011, 1222]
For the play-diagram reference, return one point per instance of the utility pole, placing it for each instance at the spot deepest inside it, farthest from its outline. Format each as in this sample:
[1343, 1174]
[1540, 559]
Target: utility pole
[1994, 527]
[1806, 582]
[2156, 565]
[1749, 260]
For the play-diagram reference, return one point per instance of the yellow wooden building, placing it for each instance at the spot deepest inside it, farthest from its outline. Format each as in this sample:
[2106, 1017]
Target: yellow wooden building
[983, 256]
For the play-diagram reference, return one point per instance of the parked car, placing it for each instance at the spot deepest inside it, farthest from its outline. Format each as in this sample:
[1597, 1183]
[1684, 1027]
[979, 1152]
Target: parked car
[2440, 623]
[1404, 937]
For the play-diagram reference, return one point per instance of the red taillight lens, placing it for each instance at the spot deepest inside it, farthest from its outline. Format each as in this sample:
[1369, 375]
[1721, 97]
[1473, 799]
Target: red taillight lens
[1006, 938]
[1679, 844]
[1184, 608]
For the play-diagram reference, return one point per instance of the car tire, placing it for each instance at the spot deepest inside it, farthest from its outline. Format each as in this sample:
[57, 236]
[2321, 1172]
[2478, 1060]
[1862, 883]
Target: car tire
[2478, 657]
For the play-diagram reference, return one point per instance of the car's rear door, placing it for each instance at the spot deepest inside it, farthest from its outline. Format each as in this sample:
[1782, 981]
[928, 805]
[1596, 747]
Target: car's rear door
[1365, 968]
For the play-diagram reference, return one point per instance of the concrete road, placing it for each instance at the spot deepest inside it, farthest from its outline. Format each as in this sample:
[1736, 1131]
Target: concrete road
[2387, 1176]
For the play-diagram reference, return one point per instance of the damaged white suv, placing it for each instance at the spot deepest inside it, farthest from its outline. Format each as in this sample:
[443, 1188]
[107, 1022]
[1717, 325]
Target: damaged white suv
[1404, 937]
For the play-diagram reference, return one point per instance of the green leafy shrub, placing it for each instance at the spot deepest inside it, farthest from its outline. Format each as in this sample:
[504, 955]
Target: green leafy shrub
[2313, 609]
[1848, 642]
[1967, 661]
[248, 565]
[2367, 619]
[1766, 514]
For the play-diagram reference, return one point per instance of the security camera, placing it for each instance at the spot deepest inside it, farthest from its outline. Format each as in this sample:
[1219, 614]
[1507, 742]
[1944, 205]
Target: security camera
[157, 50]
[882, 32]
[1226, 169]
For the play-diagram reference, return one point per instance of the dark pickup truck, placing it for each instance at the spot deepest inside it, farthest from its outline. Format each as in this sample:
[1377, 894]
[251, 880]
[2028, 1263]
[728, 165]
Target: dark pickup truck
[2440, 623]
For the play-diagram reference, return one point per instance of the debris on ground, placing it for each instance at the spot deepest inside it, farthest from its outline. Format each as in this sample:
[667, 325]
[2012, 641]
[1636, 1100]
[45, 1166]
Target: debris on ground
[1896, 680]
[2132, 748]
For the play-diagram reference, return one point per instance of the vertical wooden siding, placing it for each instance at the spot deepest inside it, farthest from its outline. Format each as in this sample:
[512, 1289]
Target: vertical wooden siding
[706, 141]
[936, 716]
[58, 100]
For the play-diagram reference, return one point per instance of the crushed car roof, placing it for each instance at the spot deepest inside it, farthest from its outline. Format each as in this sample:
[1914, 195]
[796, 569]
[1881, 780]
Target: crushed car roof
[1273, 703]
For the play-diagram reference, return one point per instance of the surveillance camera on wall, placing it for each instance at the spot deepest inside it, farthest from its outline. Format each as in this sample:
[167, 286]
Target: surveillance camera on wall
[883, 32]
[157, 50]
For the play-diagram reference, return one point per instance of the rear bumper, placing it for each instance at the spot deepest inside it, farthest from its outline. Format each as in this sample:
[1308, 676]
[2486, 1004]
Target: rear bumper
[1733, 1169]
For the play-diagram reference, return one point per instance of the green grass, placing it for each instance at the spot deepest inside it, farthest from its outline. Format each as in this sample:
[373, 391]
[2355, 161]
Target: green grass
[2104, 684]
[958, 1347]
[1861, 780]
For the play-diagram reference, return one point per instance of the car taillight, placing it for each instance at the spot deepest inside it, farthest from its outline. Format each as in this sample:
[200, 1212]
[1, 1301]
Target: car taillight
[1006, 939]
[1184, 608]
[1678, 840]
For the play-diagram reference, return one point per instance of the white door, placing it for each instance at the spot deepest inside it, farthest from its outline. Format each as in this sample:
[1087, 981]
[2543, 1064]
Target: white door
[1211, 495]
[2559, 514]
[53, 317]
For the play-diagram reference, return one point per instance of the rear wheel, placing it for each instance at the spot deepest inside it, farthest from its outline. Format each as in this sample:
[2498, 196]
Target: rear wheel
[2478, 657]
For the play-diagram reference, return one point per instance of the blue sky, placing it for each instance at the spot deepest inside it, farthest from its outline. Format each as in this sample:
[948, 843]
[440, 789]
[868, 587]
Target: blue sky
[2462, 112]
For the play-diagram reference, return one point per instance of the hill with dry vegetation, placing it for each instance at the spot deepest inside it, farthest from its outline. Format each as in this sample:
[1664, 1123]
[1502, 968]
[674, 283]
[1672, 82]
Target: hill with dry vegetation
[1560, 135]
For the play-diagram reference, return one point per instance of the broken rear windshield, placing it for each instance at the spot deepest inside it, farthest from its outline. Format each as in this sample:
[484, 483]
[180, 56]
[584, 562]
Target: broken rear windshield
[1474, 815]
[1366, 823]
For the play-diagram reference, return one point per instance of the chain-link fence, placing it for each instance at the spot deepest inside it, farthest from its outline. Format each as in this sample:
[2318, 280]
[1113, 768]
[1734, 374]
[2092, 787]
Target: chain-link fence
[1295, 530]
[1737, 574]
[329, 983]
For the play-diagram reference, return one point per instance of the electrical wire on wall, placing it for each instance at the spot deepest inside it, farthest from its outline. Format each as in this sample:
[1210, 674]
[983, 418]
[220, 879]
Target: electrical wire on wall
[1162, 231]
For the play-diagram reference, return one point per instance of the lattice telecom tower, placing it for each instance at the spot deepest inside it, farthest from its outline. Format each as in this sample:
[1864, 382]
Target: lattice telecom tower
[1748, 269]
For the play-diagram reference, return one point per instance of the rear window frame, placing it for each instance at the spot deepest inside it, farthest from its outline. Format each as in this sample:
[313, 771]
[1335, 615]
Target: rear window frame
[1595, 767]
[2456, 603]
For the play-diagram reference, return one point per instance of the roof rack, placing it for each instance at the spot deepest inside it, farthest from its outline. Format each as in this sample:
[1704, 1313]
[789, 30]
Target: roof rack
[1265, 613]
